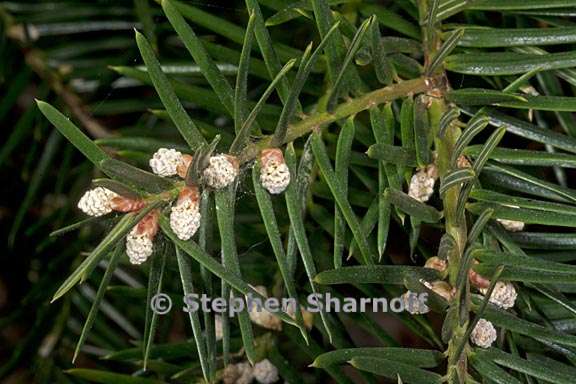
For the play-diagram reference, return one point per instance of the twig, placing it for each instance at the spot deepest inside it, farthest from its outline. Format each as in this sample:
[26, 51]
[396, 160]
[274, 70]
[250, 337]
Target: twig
[34, 59]
[379, 96]
[71, 99]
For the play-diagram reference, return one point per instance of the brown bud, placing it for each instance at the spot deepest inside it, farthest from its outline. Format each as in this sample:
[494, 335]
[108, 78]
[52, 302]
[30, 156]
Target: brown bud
[271, 155]
[149, 224]
[436, 263]
[125, 204]
[463, 162]
[477, 280]
[432, 171]
[182, 167]
[190, 193]
[307, 317]
[443, 289]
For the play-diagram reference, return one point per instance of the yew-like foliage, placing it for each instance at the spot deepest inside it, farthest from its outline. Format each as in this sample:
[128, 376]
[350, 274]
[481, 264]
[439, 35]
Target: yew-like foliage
[360, 149]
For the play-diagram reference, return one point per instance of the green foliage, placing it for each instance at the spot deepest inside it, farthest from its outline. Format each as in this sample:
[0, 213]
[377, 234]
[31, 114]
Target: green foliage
[474, 99]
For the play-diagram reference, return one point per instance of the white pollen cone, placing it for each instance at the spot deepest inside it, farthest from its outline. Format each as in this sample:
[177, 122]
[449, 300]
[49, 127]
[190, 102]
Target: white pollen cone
[139, 242]
[185, 213]
[165, 162]
[97, 201]
[421, 185]
[483, 334]
[241, 373]
[265, 372]
[222, 170]
[274, 173]
[504, 294]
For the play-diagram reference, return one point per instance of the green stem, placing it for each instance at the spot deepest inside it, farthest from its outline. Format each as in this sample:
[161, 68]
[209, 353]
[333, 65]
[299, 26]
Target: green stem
[351, 107]
[455, 225]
